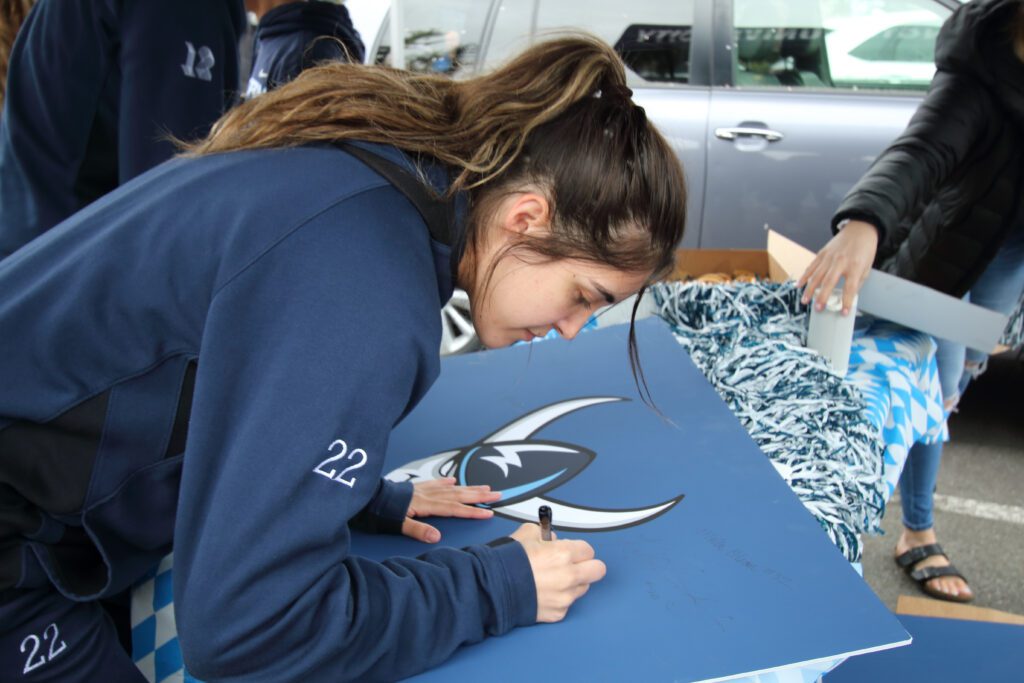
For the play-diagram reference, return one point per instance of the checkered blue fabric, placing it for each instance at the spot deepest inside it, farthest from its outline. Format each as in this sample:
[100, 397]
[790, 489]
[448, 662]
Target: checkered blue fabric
[154, 633]
[895, 370]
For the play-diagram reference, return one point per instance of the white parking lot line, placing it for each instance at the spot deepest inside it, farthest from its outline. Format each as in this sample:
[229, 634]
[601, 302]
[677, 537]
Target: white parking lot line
[980, 509]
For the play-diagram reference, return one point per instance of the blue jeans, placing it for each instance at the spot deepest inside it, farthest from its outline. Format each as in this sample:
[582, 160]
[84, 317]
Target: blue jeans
[999, 289]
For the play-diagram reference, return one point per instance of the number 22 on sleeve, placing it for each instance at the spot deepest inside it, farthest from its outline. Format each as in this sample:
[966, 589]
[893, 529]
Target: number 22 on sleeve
[324, 469]
[32, 645]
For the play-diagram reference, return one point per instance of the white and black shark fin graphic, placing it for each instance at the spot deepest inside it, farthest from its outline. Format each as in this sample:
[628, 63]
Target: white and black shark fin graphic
[523, 469]
[520, 470]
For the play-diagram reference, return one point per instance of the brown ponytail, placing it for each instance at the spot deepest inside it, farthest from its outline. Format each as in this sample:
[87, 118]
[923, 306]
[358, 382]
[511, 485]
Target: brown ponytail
[12, 14]
[559, 115]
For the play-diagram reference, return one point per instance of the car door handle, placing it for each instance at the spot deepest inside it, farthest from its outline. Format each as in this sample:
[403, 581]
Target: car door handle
[732, 133]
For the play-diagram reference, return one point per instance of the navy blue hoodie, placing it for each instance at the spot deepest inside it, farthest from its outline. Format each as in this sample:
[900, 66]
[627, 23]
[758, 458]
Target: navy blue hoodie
[94, 88]
[179, 359]
[293, 37]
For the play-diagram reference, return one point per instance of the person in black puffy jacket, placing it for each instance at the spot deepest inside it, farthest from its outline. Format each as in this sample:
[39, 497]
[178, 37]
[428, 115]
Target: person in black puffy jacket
[942, 206]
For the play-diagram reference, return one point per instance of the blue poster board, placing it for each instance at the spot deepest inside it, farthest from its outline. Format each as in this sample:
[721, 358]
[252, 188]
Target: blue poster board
[943, 650]
[715, 569]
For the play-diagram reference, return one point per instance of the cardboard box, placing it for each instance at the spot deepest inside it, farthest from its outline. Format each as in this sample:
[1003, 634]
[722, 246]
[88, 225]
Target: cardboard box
[926, 607]
[829, 333]
[883, 295]
[782, 260]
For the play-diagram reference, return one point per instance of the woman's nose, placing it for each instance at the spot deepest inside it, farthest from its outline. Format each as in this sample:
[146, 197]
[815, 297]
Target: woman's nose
[569, 327]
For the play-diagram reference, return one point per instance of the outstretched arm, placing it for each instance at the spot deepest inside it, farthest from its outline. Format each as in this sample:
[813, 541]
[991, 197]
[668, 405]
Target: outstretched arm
[310, 356]
[903, 179]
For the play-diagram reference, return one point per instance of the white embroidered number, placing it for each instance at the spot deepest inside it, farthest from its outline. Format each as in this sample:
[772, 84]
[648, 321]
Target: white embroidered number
[52, 634]
[321, 469]
[204, 69]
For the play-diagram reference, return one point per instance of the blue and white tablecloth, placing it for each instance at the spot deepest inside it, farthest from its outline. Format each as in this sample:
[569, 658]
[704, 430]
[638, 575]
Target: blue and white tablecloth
[891, 382]
[155, 646]
[894, 368]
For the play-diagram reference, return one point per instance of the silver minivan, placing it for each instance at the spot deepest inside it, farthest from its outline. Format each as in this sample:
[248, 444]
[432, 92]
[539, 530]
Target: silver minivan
[775, 107]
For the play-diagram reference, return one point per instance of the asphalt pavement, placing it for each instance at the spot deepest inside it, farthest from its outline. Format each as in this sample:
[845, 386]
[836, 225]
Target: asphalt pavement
[979, 515]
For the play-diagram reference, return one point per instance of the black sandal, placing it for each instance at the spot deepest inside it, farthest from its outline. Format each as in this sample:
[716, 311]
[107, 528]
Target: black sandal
[925, 574]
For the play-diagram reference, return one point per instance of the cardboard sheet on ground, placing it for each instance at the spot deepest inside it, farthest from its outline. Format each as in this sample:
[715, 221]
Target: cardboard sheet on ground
[715, 569]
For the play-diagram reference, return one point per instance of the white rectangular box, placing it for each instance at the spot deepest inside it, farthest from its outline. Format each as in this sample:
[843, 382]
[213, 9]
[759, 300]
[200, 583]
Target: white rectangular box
[906, 303]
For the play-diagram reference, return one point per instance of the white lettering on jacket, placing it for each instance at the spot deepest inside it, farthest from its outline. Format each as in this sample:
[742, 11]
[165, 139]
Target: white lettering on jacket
[32, 645]
[325, 470]
[204, 69]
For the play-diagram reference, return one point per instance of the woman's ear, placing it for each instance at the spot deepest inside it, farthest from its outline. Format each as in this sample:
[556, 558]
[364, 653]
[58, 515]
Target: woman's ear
[526, 212]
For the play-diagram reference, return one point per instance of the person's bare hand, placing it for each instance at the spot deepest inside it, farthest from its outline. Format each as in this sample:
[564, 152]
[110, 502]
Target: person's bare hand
[442, 498]
[562, 571]
[848, 255]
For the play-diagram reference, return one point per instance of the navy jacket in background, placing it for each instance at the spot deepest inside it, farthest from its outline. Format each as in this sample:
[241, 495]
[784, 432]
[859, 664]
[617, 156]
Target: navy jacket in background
[94, 88]
[293, 37]
[283, 306]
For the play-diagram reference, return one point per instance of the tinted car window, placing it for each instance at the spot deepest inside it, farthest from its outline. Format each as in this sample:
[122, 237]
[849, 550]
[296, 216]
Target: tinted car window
[442, 36]
[835, 43]
[657, 53]
[779, 44]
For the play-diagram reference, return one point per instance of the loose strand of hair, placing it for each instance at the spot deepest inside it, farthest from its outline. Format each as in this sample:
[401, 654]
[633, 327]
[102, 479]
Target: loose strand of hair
[634, 360]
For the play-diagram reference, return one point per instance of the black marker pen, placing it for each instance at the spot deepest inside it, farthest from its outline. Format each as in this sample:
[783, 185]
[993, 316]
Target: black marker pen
[544, 514]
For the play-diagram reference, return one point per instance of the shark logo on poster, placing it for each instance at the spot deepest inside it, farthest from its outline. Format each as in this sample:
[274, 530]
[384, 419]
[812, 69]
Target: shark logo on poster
[525, 470]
